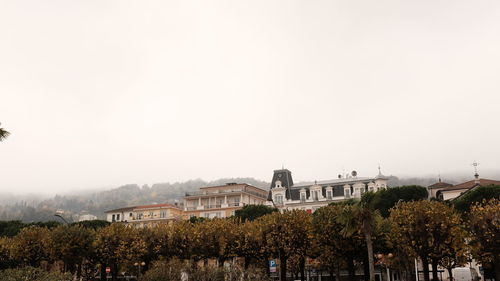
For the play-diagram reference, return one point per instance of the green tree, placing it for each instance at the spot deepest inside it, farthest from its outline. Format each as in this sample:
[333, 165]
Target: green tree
[10, 228]
[287, 234]
[427, 229]
[384, 199]
[477, 195]
[252, 212]
[93, 224]
[484, 223]
[363, 218]
[3, 133]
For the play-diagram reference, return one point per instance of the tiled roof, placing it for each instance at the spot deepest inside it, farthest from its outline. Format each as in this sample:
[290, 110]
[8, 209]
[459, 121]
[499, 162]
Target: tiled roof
[440, 185]
[154, 206]
[470, 184]
[225, 185]
[121, 209]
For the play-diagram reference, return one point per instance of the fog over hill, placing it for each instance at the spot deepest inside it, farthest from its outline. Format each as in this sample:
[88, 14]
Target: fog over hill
[32, 207]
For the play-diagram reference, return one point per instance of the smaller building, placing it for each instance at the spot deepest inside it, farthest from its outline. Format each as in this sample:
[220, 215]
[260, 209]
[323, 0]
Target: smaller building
[434, 188]
[87, 217]
[452, 192]
[119, 215]
[146, 215]
[222, 201]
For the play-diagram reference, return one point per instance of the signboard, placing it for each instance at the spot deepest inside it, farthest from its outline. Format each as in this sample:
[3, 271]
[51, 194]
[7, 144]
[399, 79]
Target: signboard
[108, 269]
[272, 266]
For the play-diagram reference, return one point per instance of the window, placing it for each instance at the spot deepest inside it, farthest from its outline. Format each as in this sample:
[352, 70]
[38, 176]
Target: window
[329, 194]
[278, 198]
[302, 197]
[347, 193]
[315, 195]
[113, 218]
[150, 214]
[118, 217]
[163, 214]
[130, 215]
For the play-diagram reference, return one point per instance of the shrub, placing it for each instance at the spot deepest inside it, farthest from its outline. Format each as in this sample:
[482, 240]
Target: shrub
[32, 274]
[176, 270]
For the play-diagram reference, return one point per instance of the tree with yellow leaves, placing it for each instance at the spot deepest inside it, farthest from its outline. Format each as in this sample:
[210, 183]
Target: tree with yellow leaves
[72, 245]
[336, 248]
[118, 245]
[429, 230]
[484, 223]
[250, 242]
[31, 246]
[288, 234]
[215, 238]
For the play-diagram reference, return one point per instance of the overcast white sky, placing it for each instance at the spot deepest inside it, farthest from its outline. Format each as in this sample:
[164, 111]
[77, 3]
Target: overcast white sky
[103, 93]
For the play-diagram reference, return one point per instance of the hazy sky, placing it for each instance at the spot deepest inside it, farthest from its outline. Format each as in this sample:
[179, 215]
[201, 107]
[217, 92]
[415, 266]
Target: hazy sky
[102, 93]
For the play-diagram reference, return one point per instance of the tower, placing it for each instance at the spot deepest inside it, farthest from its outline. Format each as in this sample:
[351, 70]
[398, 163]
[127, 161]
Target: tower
[283, 177]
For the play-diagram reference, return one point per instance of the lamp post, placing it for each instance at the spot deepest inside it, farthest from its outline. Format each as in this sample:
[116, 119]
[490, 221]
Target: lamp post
[61, 217]
[383, 259]
[139, 265]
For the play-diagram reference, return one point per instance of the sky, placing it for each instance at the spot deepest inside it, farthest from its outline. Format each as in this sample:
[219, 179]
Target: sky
[104, 93]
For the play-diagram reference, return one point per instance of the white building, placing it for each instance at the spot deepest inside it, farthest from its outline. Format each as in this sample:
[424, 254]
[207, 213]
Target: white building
[311, 196]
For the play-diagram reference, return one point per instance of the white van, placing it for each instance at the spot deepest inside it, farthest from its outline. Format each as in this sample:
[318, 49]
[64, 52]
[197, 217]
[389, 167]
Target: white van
[465, 274]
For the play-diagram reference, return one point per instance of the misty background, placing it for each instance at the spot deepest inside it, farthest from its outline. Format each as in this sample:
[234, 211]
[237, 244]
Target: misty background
[103, 94]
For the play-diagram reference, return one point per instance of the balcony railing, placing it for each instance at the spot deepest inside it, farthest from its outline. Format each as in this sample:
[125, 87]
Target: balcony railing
[221, 192]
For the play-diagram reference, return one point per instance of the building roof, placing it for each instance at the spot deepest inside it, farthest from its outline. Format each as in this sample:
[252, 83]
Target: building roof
[228, 184]
[440, 184]
[155, 206]
[470, 184]
[121, 209]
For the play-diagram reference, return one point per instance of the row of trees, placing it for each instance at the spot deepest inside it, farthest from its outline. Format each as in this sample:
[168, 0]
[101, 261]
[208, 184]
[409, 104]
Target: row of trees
[337, 237]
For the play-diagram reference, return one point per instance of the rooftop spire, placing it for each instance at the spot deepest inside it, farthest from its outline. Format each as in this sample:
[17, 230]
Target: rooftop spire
[476, 175]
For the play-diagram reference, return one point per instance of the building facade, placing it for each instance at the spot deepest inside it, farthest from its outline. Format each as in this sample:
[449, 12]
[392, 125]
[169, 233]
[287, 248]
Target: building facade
[222, 201]
[312, 196]
[146, 215]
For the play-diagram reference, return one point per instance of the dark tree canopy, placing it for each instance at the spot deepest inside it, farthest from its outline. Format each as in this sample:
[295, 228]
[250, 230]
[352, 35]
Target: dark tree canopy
[94, 224]
[252, 212]
[383, 200]
[463, 203]
[12, 228]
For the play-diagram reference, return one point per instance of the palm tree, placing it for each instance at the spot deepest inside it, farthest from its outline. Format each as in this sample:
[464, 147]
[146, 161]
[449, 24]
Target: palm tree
[3, 133]
[362, 217]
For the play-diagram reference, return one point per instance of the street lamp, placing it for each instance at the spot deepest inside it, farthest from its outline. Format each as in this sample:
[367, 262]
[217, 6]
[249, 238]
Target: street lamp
[139, 264]
[383, 260]
[61, 217]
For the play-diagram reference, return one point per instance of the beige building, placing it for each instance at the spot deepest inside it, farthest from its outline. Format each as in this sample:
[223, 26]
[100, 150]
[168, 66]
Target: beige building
[146, 215]
[222, 201]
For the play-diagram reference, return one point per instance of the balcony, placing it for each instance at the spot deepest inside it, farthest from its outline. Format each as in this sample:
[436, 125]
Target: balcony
[225, 192]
